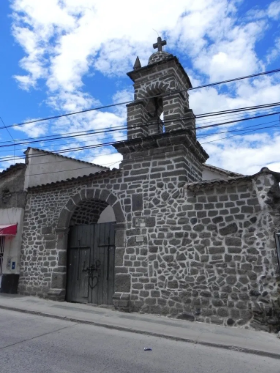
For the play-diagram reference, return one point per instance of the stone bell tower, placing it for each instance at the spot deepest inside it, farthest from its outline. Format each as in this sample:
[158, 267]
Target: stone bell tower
[160, 123]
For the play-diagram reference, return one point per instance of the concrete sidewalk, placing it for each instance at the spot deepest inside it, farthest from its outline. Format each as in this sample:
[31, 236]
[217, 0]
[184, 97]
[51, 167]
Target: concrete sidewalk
[249, 341]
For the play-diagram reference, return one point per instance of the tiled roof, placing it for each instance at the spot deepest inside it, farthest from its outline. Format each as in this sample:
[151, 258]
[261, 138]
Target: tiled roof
[13, 168]
[64, 156]
[97, 175]
[222, 171]
[233, 180]
[216, 182]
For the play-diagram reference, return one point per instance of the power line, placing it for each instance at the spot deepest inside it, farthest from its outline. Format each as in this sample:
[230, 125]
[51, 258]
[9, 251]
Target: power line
[67, 150]
[86, 167]
[245, 131]
[238, 130]
[141, 100]
[55, 137]
[239, 120]
[236, 79]
[199, 117]
[7, 129]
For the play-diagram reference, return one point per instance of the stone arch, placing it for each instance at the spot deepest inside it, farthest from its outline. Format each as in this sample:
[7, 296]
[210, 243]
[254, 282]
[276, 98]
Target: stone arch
[153, 106]
[58, 280]
[154, 88]
[86, 194]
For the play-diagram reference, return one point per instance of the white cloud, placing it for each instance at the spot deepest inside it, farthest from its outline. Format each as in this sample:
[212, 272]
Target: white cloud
[111, 160]
[274, 10]
[33, 129]
[245, 154]
[274, 52]
[64, 40]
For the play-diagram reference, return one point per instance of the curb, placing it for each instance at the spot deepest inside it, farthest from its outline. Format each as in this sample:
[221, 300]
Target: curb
[137, 331]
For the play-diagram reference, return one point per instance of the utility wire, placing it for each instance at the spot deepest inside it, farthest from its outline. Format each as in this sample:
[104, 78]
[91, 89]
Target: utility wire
[80, 168]
[123, 128]
[142, 100]
[245, 131]
[199, 118]
[11, 138]
[67, 150]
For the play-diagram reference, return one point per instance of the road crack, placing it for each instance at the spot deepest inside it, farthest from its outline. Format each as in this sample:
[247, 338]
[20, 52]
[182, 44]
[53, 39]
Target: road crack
[37, 336]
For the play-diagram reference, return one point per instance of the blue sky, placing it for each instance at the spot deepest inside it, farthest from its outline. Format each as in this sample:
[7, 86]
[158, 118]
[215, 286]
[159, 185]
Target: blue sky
[59, 56]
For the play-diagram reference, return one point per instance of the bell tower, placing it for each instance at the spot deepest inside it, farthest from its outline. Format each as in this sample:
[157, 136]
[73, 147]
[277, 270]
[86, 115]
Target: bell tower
[159, 120]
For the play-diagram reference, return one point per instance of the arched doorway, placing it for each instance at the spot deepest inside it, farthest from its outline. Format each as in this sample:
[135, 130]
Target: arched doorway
[91, 253]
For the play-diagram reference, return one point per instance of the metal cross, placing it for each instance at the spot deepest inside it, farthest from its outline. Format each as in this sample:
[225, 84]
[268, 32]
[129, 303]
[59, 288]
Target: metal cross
[160, 43]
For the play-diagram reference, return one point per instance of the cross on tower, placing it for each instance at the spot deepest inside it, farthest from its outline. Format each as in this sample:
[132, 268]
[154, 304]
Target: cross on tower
[160, 43]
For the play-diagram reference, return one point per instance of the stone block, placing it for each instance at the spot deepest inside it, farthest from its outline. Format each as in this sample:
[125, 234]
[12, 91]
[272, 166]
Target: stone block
[58, 280]
[122, 283]
[150, 221]
[234, 250]
[118, 212]
[119, 253]
[50, 245]
[233, 241]
[247, 209]
[62, 258]
[47, 230]
[186, 316]
[137, 202]
[222, 312]
[229, 229]
[216, 250]
[120, 238]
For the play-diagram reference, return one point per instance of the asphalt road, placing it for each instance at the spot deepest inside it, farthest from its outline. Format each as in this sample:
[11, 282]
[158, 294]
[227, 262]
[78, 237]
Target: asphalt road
[35, 344]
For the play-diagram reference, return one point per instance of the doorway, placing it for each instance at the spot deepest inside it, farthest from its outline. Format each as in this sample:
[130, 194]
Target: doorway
[91, 264]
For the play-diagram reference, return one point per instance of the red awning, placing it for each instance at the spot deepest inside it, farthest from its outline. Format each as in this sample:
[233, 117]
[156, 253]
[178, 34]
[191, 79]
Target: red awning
[8, 230]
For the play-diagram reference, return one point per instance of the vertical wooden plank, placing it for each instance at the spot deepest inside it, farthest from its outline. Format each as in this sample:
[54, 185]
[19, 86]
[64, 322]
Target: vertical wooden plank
[106, 258]
[83, 281]
[101, 258]
[94, 257]
[78, 259]
[111, 264]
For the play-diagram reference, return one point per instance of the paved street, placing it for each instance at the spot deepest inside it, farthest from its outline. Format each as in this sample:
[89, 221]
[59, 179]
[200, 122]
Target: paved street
[37, 344]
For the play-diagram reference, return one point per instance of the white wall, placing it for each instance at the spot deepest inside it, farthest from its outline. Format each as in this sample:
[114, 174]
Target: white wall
[107, 215]
[12, 247]
[46, 168]
[208, 174]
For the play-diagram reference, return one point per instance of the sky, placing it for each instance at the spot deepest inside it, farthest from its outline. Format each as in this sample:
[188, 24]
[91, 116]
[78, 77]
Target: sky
[62, 56]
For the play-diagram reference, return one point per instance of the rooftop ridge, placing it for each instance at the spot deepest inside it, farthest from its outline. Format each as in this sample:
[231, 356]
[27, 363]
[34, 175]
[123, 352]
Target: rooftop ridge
[64, 156]
[97, 175]
[222, 170]
[12, 168]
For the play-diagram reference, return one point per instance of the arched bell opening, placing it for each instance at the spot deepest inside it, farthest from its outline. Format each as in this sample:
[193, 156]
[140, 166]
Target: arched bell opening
[91, 253]
[155, 113]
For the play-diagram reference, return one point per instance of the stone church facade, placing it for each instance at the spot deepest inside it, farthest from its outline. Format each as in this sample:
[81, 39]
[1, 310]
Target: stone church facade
[184, 247]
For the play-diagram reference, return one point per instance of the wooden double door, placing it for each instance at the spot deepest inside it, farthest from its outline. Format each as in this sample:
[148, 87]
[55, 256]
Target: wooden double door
[91, 264]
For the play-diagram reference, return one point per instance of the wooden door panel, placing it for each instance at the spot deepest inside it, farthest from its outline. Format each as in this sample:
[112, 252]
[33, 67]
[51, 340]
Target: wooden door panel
[91, 263]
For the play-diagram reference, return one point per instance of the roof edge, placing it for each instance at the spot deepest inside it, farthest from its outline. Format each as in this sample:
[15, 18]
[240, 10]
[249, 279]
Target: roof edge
[97, 175]
[64, 156]
[212, 183]
[222, 170]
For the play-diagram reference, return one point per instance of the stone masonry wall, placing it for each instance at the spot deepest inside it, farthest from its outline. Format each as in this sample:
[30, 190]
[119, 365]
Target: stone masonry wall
[11, 187]
[207, 254]
[205, 251]
[43, 261]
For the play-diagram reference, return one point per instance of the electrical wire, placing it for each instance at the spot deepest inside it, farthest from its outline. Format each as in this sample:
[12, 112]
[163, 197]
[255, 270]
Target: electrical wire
[55, 137]
[142, 100]
[67, 150]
